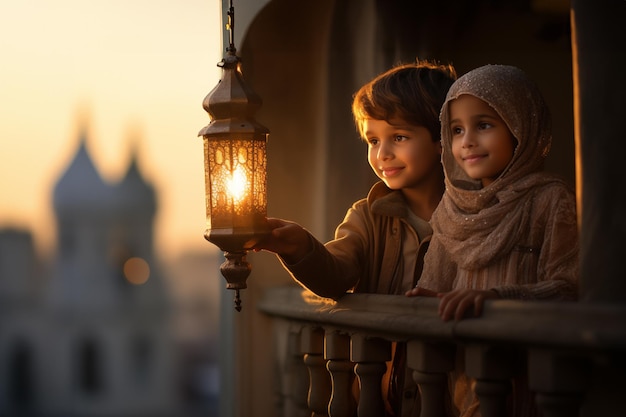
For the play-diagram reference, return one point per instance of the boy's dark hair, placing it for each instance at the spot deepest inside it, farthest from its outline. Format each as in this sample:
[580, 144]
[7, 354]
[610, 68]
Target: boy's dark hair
[412, 92]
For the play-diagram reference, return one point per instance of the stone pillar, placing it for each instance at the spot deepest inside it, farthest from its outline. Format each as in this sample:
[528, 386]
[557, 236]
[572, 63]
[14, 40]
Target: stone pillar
[560, 381]
[337, 353]
[431, 363]
[295, 381]
[319, 378]
[493, 367]
[599, 63]
[370, 355]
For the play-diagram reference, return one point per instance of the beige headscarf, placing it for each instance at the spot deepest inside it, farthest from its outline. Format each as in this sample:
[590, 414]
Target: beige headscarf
[478, 225]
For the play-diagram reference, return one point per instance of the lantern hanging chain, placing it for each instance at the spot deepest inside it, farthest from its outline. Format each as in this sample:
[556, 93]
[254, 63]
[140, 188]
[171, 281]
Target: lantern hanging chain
[230, 26]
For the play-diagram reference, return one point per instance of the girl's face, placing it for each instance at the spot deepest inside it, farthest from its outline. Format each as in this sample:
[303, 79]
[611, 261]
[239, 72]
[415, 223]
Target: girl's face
[482, 143]
[401, 154]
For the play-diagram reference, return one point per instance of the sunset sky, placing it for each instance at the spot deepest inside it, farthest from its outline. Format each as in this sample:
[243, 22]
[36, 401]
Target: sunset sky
[136, 71]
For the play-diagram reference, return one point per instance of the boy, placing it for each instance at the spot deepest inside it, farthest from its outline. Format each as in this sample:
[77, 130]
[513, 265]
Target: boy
[380, 245]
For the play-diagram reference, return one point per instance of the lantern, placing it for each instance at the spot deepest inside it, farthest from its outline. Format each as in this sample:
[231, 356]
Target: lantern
[235, 169]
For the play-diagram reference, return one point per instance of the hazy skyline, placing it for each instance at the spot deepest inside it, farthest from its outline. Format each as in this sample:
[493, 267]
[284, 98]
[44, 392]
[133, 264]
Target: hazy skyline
[136, 71]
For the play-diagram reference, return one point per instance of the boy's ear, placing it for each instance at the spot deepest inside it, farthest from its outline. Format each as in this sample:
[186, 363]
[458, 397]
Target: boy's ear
[439, 147]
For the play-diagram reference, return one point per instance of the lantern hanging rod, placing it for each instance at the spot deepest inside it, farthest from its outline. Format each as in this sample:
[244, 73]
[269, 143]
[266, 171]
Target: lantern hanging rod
[230, 26]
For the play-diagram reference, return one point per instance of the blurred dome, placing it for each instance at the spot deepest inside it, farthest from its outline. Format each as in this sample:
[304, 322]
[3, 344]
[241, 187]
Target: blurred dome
[133, 193]
[81, 188]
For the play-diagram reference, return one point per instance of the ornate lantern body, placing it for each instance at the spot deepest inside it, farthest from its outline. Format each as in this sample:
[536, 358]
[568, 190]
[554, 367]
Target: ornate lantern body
[235, 172]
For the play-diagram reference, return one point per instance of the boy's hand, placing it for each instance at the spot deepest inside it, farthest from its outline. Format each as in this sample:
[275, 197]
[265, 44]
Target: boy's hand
[455, 303]
[287, 239]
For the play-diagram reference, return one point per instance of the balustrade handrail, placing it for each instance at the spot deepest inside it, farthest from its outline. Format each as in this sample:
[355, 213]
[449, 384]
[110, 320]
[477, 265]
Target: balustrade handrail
[542, 324]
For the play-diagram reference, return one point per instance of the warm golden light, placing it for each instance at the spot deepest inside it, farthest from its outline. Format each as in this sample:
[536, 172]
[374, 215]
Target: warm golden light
[83, 81]
[236, 185]
[235, 173]
[136, 271]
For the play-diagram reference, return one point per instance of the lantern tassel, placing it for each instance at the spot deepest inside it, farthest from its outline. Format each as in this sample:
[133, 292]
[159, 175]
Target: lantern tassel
[237, 301]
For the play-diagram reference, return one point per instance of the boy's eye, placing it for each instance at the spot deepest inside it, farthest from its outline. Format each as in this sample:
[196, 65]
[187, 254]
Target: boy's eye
[372, 141]
[400, 138]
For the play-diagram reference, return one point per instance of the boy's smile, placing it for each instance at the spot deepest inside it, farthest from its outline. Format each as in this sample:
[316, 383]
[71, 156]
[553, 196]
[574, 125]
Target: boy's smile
[390, 172]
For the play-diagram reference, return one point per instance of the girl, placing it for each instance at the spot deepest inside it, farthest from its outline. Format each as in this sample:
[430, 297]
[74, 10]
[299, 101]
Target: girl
[504, 228]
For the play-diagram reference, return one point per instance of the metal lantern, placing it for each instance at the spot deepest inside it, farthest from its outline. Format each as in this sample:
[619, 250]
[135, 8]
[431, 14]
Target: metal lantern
[235, 169]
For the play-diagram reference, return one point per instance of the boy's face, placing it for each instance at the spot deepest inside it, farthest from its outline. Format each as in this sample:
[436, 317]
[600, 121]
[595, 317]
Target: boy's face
[482, 143]
[401, 154]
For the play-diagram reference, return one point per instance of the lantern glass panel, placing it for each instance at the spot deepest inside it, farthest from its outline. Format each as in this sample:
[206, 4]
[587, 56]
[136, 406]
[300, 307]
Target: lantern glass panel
[235, 182]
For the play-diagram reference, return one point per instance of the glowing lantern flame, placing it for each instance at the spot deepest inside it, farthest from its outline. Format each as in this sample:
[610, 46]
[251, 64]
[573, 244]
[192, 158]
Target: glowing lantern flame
[236, 185]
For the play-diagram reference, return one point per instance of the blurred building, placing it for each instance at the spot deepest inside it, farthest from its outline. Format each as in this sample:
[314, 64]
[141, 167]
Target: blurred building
[94, 337]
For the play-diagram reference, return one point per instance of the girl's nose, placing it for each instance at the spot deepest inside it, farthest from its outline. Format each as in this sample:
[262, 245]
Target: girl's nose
[468, 140]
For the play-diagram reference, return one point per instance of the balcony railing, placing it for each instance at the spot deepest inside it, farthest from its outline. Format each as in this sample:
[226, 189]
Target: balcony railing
[573, 354]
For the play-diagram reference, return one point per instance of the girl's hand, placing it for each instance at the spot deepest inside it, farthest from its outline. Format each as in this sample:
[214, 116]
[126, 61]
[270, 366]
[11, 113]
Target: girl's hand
[455, 303]
[287, 239]
[419, 291]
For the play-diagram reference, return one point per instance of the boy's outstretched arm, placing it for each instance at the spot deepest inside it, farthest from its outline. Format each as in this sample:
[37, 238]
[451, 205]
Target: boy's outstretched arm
[287, 239]
[308, 260]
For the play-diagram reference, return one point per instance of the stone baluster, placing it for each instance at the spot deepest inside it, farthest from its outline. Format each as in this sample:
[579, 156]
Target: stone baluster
[560, 381]
[295, 377]
[493, 367]
[319, 378]
[431, 363]
[337, 353]
[370, 355]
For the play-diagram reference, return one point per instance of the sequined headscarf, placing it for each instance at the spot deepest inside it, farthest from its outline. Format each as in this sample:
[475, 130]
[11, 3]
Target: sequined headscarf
[476, 225]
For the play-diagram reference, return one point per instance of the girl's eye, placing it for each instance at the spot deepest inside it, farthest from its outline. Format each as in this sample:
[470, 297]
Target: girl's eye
[372, 141]
[401, 138]
[484, 125]
[456, 130]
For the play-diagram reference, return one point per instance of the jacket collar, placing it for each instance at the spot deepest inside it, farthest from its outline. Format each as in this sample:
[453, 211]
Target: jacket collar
[387, 202]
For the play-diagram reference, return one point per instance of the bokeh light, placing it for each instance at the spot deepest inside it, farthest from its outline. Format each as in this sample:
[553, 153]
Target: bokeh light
[136, 270]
